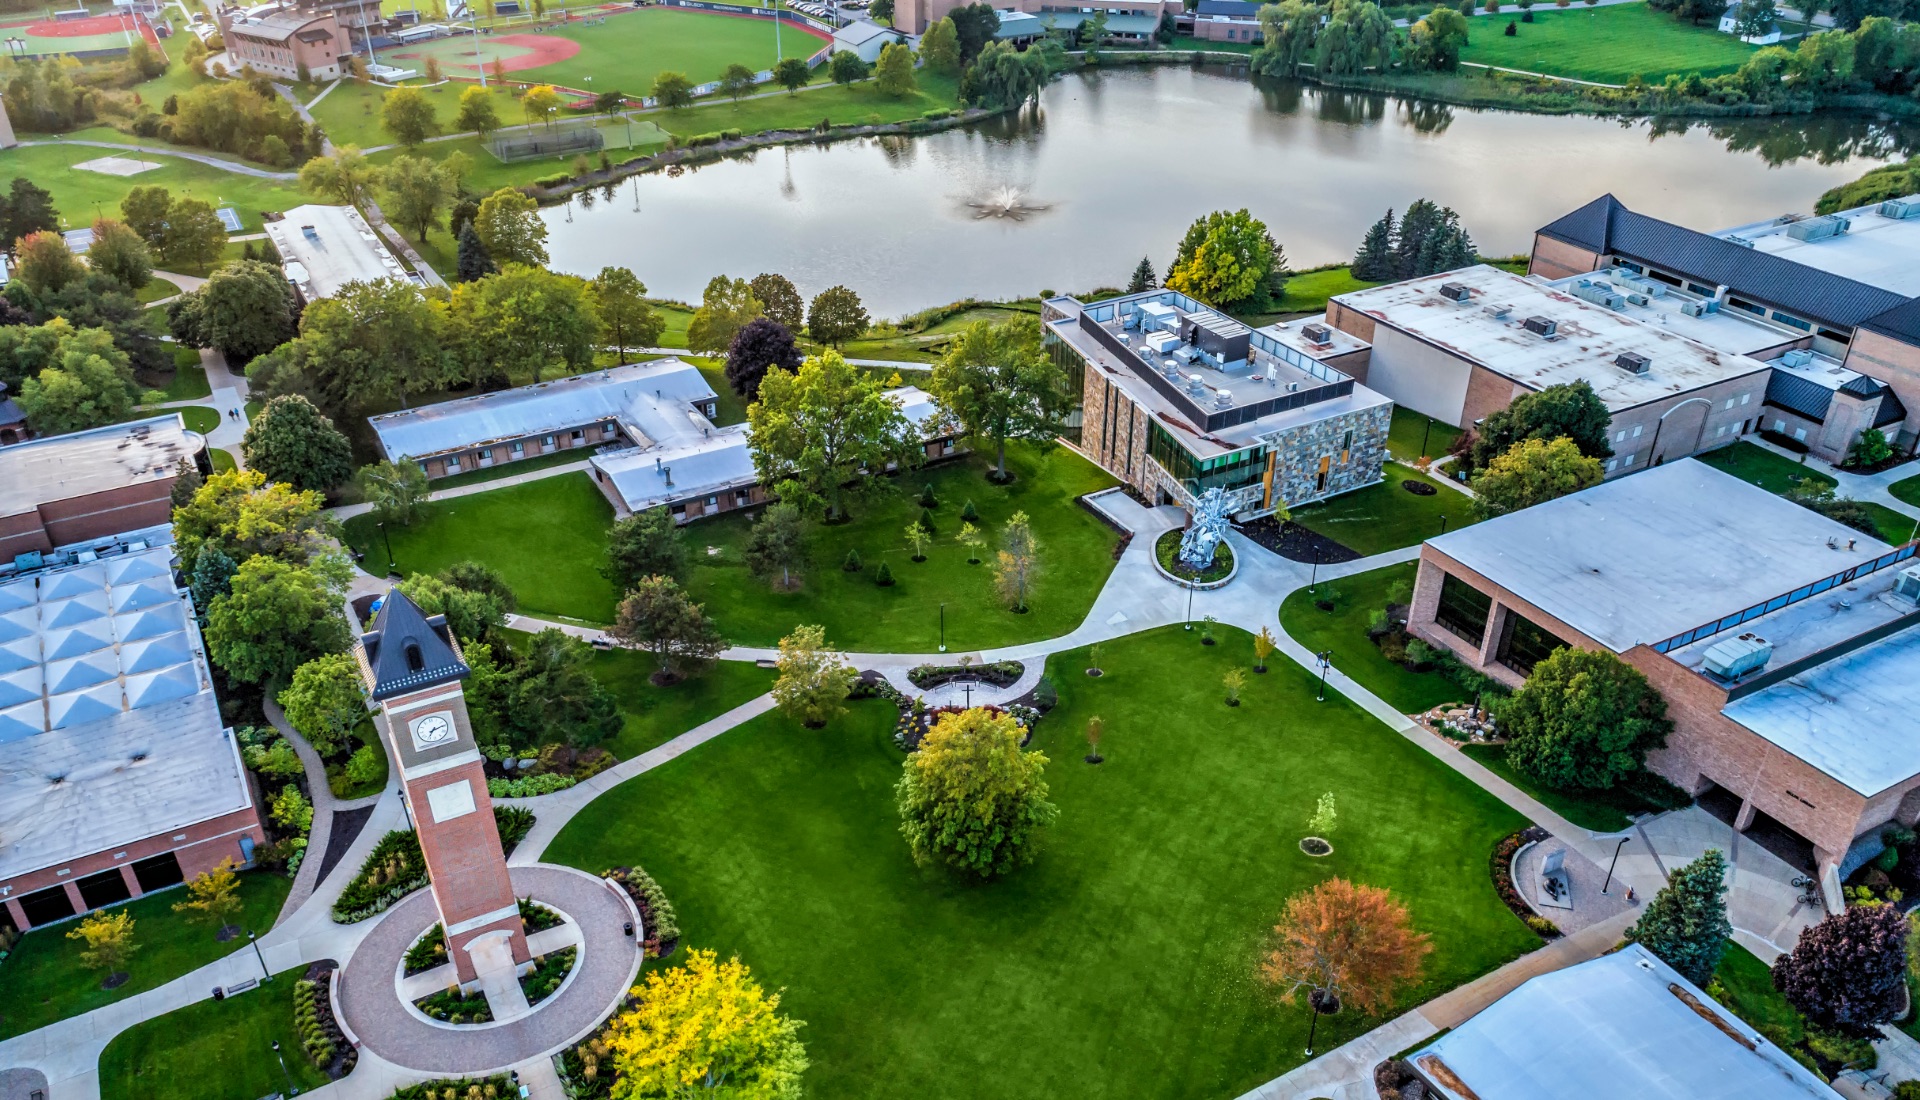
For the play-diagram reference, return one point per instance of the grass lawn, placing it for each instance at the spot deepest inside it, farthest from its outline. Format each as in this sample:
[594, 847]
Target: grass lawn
[45, 982]
[1386, 517]
[928, 345]
[212, 1050]
[76, 192]
[1608, 44]
[1751, 996]
[729, 407]
[1344, 631]
[631, 48]
[848, 104]
[199, 418]
[1121, 963]
[654, 714]
[186, 381]
[1076, 554]
[1907, 491]
[1601, 811]
[547, 537]
[512, 469]
[1308, 291]
[1411, 431]
[223, 460]
[351, 113]
[1777, 473]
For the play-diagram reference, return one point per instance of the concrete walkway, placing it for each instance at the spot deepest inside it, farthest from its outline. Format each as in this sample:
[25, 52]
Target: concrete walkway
[325, 805]
[348, 511]
[1859, 486]
[209, 160]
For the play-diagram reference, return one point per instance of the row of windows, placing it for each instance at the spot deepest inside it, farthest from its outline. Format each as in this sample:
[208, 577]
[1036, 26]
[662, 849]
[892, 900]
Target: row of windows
[1464, 611]
[1737, 302]
[518, 448]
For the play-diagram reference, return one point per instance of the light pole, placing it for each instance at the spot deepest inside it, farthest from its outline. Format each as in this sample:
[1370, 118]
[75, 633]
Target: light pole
[1325, 657]
[292, 1089]
[968, 688]
[1313, 578]
[1615, 860]
[392, 570]
[943, 628]
[1443, 523]
[1319, 1004]
[1424, 432]
[1189, 625]
[265, 974]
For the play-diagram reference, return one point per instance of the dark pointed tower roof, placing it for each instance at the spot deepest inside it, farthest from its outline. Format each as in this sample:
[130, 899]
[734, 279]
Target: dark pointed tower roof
[408, 650]
[1590, 227]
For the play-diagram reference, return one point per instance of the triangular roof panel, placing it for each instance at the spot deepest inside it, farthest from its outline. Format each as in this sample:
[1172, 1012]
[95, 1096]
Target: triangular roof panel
[73, 612]
[24, 720]
[80, 707]
[407, 651]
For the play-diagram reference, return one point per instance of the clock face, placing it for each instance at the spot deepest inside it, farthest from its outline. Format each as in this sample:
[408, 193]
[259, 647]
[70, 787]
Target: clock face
[434, 729]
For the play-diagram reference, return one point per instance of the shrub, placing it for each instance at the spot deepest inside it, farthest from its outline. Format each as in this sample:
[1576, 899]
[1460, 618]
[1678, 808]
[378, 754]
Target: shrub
[883, 576]
[935, 116]
[657, 919]
[558, 179]
[1045, 695]
[530, 787]
[395, 867]
[313, 1022]
[997, 673]
[852, 564]
[544, 979]
[497, 1085]
[429, 952]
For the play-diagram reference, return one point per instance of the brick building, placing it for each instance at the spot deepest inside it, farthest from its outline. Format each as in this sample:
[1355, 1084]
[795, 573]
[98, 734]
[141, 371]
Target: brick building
[1226, 21]
[117, 776]
[65, 490]
[1178, 398]
[1135, 20]
[1787, 645]
[281, 43]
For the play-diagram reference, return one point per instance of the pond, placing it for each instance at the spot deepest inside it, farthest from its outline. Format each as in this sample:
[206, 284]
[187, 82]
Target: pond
[1115, 164]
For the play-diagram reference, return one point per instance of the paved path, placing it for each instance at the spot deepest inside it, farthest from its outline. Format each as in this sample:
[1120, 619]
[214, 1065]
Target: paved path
[199, 158]
[325, 805]
[348, 511]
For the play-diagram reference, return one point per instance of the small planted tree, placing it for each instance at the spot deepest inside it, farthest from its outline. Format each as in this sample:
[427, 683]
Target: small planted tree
[777, 545]
[1263, 647]
[1848, 973]
[971, 798]
[1093, 660]
[971, 538]
[883, 576]
[852, 562]
[1321, 823]
[1686, 922]
[814, 680]
[325, 701]
[659, 618]
[108, 939]
[1095, 730]
[1234, 680]
[1344, 944]
[918, 538]
[214, 896]
[1018, 562]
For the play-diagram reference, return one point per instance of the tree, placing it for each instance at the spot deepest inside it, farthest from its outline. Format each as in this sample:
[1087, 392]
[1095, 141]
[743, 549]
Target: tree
[194, 237]
[540, 103]
[1346, 945]
[1226, 260]
[366, 344]
[778, 544]
[290, 441]
[407, 116]
[764, 344]
[736, 82]
[416, 190]
[779, 300]
[1143, 278]
[44, 264]
[433, 73]
[1324, 818]
[522, 323]
[881, 9]
[971, 538]
[475, 600]
[1374, 263]
[725, 308]
[477, 112]
[1428, 240]
[1686, 922]
[816, 429]
[214, 896]
[671, 89]
[1289, 29]
[999, 383]
[1263, 647]
[1019, 560]
[619, 299]
[28, 209]
[118, 253]
[845, 67]
[974, 26]
[84, 380]
[893, 73]
[325, 700]
[1357, 36]
[1532, 472]
[792, 74]
[144, 210]
[1003, 78]
[243, 310]
[940, 47]
[1435, 42]
[659, 618]
[108, 936]
[971, 798]
[644, 544]
[1870, 448]
[1757, 18]
[509, 226]
[706, 1026]
[836, 316]
[186, 482]
[472, 261]
[1570, 409]
[1093, 33]
[1848, 973]
[555, 696]
[277, 617]
[917, 538]
[1584, 719]
[395, 489]
[814, 680]
[212, 577]
[345, 176]
[237, 511]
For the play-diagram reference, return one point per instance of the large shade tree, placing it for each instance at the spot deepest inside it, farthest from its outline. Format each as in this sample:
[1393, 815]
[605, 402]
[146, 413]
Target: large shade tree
[1569, 409]
[815, 430]
[244, 309]
[705, 1027]
[292, 442]
[659, 617]
[1848, 973]
[1532, 472]
[1228, 259]
[998, 382]
[1344, 945]
[971, 798]
[1584, 719]
[277, 617]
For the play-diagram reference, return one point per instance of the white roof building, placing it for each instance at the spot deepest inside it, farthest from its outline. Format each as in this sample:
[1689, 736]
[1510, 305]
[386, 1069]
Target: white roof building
[323, 248]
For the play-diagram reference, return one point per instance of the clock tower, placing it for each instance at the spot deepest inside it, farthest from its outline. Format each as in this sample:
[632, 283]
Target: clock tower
[413, 668]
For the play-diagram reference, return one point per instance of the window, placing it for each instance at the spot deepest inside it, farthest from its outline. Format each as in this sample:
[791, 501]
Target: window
[1729, 403]
[1523, 644]
[1779, 425]
[158, 872]
[104, 888]
[1703, 291]
[713, 502]
[1800, 434]
[453, 464]
[518, 449]
[1620, 436]
[1754, 308]
[1836, 337]
[1789, 319]
[1626, 461]
[47, 906]
[1463, 609]
[1662, 276]
[1636, 431]
[577, 436]
[546, 443]
[1745, 397]
[1320, 482]
[1611, 463]
[1721, 430]
[607, 430]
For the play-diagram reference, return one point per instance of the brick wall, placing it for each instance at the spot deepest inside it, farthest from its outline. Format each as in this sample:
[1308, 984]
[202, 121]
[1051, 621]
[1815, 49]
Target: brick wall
[1898, 365]
[199, 848]
[1557, 259]
[87, 518]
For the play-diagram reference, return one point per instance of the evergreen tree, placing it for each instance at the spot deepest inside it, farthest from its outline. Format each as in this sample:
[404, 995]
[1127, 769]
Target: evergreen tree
[1143, 277]
[212, 577]
[1374, 262]
[1686, 922]
[473, 262]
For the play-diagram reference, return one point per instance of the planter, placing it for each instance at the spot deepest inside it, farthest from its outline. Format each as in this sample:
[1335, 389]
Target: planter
[1095, 672]
[1167, 546]
[1315, 847]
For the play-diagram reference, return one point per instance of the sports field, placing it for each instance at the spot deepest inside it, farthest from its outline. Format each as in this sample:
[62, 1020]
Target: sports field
[1607, 44]
[626, 50]
[46, 37]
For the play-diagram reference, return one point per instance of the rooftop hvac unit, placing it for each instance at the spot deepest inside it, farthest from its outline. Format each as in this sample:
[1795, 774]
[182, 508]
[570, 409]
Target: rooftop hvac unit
[1818, 229]
[1907, 584]
[1743, 242]
[1223, 400]
[1600, 293]
[310, 232]
[1498, 312]
[1632, 362]
[1541, 326]
[1195, 385]
[1796, 357]
[1901, 209]
[1735, 657]
[1693, 309]
[1637, 299]
[1456, 292]
[1319, 336]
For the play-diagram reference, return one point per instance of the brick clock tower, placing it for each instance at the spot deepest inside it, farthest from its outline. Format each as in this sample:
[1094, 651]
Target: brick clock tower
[413, 668]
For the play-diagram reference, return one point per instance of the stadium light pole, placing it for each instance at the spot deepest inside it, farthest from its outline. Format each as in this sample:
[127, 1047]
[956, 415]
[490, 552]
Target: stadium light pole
[473, 24]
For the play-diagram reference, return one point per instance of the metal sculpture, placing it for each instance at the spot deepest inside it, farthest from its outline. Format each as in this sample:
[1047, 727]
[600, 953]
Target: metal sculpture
[1203, 535]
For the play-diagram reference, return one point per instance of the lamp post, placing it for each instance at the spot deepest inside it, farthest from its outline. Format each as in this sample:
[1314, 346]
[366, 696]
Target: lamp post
[1615, 860]
[1313, 578]
[943, 628]
[1319, 1003]
[1189, 625]
[1443, 523]
[265, 974]
[388, 543]
[1424, 432]
[968, 688]
[292, 1089]
[1325, 657]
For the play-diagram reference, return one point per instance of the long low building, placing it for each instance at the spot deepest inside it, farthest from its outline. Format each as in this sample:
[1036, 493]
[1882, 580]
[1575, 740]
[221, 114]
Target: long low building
[66, 489]
[1786, 645]
[118, 776]
[323, 248]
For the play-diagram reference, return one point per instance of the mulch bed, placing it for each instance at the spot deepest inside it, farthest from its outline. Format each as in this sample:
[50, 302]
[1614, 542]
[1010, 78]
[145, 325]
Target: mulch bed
[1296, 543]
[1501, 867]
[346, 827]
[1418, 488]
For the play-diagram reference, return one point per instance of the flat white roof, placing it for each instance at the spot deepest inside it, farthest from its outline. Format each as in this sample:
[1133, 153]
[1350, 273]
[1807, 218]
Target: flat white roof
[1640, 558]
[332, 246]
[1587, 341]
[1878, 251]
[1622, 1025]
[61, 467]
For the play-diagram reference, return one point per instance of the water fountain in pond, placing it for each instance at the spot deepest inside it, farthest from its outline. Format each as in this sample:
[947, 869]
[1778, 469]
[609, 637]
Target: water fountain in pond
[1006, 202]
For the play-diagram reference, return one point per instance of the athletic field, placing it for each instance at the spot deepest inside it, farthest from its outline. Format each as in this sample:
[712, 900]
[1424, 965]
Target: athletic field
[623, 52]
[1608, 44]
[94, 35]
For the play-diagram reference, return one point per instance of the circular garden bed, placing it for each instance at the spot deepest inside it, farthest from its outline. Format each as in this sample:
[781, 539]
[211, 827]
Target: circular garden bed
[1166, 550]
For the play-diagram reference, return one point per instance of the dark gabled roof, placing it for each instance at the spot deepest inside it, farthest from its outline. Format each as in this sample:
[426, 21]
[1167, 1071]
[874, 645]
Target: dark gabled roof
[1228, 7]
[1799, 395]
[1863, 386]
[10, 413]
[1891, 410]
[408, 651]
[1902, 322]
[1606, 226]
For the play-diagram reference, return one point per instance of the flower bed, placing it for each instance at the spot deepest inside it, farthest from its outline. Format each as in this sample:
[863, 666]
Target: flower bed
[544, 979]
[997, 673]
[429, 951]
[1501, 868]
[1166, 550]
[531, 787]
[657, 918]
[454, 1007]
[537, 917]
[321, 1036]
[496, 1086]
[396, 868]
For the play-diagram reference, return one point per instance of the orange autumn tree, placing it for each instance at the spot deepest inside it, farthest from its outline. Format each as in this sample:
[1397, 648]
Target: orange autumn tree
[1346, 944]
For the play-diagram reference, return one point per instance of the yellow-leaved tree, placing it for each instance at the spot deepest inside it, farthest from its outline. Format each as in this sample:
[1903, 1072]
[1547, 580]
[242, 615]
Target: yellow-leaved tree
[706, 1026]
